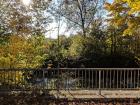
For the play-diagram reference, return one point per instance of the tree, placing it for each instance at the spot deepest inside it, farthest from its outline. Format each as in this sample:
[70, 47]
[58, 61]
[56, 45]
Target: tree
[125, 12]
[124, 20]
[22, 42]
[21, 52]
[76, 47]
[19, 19]
[78, 13]
[95, 42]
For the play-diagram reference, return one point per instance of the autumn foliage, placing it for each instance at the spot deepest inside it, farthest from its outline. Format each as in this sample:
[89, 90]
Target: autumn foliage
[125, 12]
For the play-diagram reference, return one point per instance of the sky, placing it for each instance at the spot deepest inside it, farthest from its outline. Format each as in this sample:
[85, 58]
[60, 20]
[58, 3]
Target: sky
[53, 33]
[110, 1]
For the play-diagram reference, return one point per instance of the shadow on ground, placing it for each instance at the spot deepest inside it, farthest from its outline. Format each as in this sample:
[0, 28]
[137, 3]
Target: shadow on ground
[46, 99]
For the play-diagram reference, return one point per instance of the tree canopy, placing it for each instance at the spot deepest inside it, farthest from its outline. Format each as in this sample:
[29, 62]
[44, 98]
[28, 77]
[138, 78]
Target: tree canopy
[125, 12]
[98, 38]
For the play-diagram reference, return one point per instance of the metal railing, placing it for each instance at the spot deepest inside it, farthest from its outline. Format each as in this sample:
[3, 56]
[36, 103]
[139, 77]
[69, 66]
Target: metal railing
[70, 78]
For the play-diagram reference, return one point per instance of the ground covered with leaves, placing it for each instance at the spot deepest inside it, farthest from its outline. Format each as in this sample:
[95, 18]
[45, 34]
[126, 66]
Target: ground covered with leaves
[24, 99]
[46, 99]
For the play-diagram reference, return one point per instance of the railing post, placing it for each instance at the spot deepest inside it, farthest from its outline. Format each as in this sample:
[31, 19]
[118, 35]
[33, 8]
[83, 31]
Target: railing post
[58, 82]
[99, 82]
[43, 80]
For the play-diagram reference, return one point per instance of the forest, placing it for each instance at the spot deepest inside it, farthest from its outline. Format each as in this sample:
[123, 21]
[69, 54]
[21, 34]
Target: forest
[102, 34]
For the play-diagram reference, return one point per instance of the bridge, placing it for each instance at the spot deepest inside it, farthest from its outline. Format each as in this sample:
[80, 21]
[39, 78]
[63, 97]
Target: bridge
[73, 82]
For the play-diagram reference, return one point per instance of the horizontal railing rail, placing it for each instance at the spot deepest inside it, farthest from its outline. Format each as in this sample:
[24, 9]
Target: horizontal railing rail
[69, 78]
[69, 69]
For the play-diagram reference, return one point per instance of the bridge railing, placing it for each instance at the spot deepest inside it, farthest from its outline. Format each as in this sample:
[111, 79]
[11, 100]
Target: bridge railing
[70, 78]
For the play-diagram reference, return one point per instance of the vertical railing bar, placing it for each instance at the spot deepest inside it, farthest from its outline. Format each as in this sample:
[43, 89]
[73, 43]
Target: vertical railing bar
[23, 80]
[75, 79]
[89, 79]
[60, 79]
[20, 72]
[66, 72]
[30, 72]
[92, 78]
[39, 85]
[57, 83]
[49, 75]
[40, 77]
[82, 78]
[48, 79]
[120, 81]
[96, 80]
[4, 78]
[51, 79]
[138, 79]
[124, 77]
[117, 79]
[107, 79]
[99, 82]
[137, 76]
[54, 79]
[103, 78]
[15, 80]
[52, 82]
[19, 78]
[134, 78]
[127, 78]
[25, 74]
[0, 79]
[71, 74]
[12, 79]
[131, 79]
[114, 79]
[78, 79]
[8, 78]
[112, 74]
[58, 76]
[34, 75]
[43, 79]
[57, 79]
[110, 77]
[37, 76]
[85, 79]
